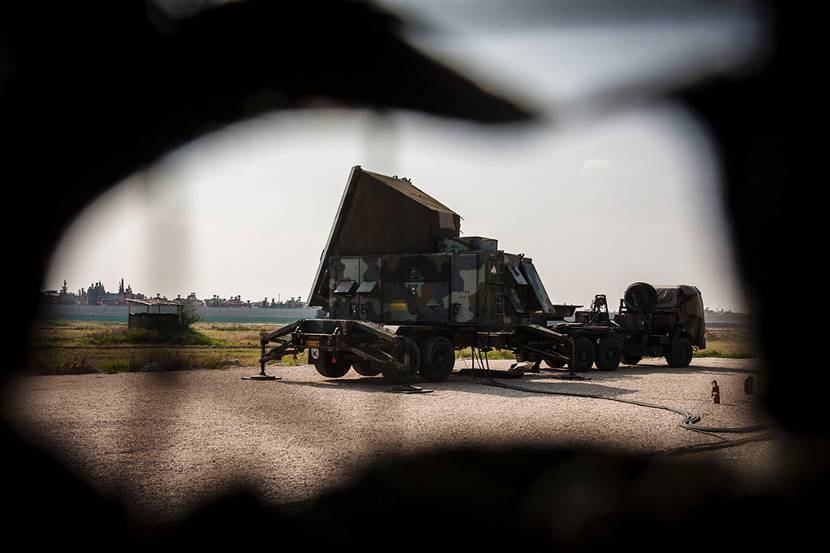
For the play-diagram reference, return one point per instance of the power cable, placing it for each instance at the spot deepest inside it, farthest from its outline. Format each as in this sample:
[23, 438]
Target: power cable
[690, 420]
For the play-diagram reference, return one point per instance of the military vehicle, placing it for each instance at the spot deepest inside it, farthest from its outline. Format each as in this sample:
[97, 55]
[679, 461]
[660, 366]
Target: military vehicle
[596, 339]
[663, 321]
[403, 290]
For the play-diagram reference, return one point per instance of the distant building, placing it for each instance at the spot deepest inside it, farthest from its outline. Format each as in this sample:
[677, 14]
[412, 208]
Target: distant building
[162, 317]
[97, 294]
[60, 297]
[192, 299]
[233, 301]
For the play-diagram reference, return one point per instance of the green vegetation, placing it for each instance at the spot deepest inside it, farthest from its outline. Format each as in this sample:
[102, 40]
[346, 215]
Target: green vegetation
[114, 366]
[119, 336]
[494, 354]
[290, 361]
[77, 347]
[709, 352]
[111, 360]
[190, 314]
[734, 343]
[231, 327]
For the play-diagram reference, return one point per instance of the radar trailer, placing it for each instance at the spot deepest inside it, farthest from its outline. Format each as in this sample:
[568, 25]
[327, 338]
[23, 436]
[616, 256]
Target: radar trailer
[402, 291]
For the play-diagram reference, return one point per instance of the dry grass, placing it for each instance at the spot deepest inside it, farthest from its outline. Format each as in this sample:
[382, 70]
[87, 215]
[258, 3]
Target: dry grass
[76, 347]
[494, 354]
[137, 336]
[734, 343]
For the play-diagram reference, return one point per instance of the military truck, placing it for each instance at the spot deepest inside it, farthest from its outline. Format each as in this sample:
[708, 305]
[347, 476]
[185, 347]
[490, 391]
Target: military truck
[597, 339]
[403, 290]
[664, 321]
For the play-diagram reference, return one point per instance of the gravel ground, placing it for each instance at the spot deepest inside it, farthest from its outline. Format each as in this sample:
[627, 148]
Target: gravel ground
[167, 441]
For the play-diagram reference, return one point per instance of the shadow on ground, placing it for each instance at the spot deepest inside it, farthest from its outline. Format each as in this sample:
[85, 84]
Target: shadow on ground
[478, 385]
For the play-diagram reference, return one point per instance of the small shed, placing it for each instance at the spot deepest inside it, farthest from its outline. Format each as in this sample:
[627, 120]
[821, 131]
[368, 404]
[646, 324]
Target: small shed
[157, 316]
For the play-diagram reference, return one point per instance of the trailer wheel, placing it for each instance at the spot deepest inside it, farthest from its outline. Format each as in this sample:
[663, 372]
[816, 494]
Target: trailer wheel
[411, 358]
[366, 368]
[322, 362]
[680, 354]
[555, 363]
[609, 350]
[583, 356]
[437, 359]
[631, 359]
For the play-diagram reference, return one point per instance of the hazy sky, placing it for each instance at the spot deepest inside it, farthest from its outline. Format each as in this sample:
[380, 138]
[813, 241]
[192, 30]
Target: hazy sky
[597, 204]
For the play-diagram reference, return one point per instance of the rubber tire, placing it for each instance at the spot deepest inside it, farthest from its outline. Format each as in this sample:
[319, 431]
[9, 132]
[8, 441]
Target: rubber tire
[583, 354]
[609, 351]
[555, 363]
[437, 359]
[392, 373]
[631, 359]
[680, 354]
[641, 297]
[366, 368]
[328, 369]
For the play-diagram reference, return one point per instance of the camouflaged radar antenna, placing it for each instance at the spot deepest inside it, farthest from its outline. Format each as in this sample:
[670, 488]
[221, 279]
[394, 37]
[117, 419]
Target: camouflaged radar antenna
[380, 215]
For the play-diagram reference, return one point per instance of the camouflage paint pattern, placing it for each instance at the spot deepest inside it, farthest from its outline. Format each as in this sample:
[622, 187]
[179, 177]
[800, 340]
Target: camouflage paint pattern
[464, 287]
[430, 267]
[355, 305]
[416, 288]
[476, 288]
[370, 302]
[515, 290]
[461, 288]
[423, 302]
[491, 309]
[342, 270]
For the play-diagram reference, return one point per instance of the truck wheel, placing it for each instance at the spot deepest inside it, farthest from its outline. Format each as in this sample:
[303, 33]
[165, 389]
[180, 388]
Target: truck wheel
[437, 359]
[366, 368]
[680, 354]
[555, 363]
[411, 359]
[583, 354]
[631, 359]
[322, 362]
[609, 350]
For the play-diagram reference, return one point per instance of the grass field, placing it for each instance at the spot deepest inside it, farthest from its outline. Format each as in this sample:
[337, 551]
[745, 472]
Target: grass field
[734, 343]
[71, 347]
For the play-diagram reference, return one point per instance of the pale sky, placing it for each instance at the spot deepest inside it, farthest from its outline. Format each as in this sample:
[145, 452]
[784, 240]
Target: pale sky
[597, 203]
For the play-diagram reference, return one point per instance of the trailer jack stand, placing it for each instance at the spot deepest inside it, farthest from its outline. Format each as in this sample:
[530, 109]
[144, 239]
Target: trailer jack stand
[570, 375]
[261, 375]
[408, 389]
